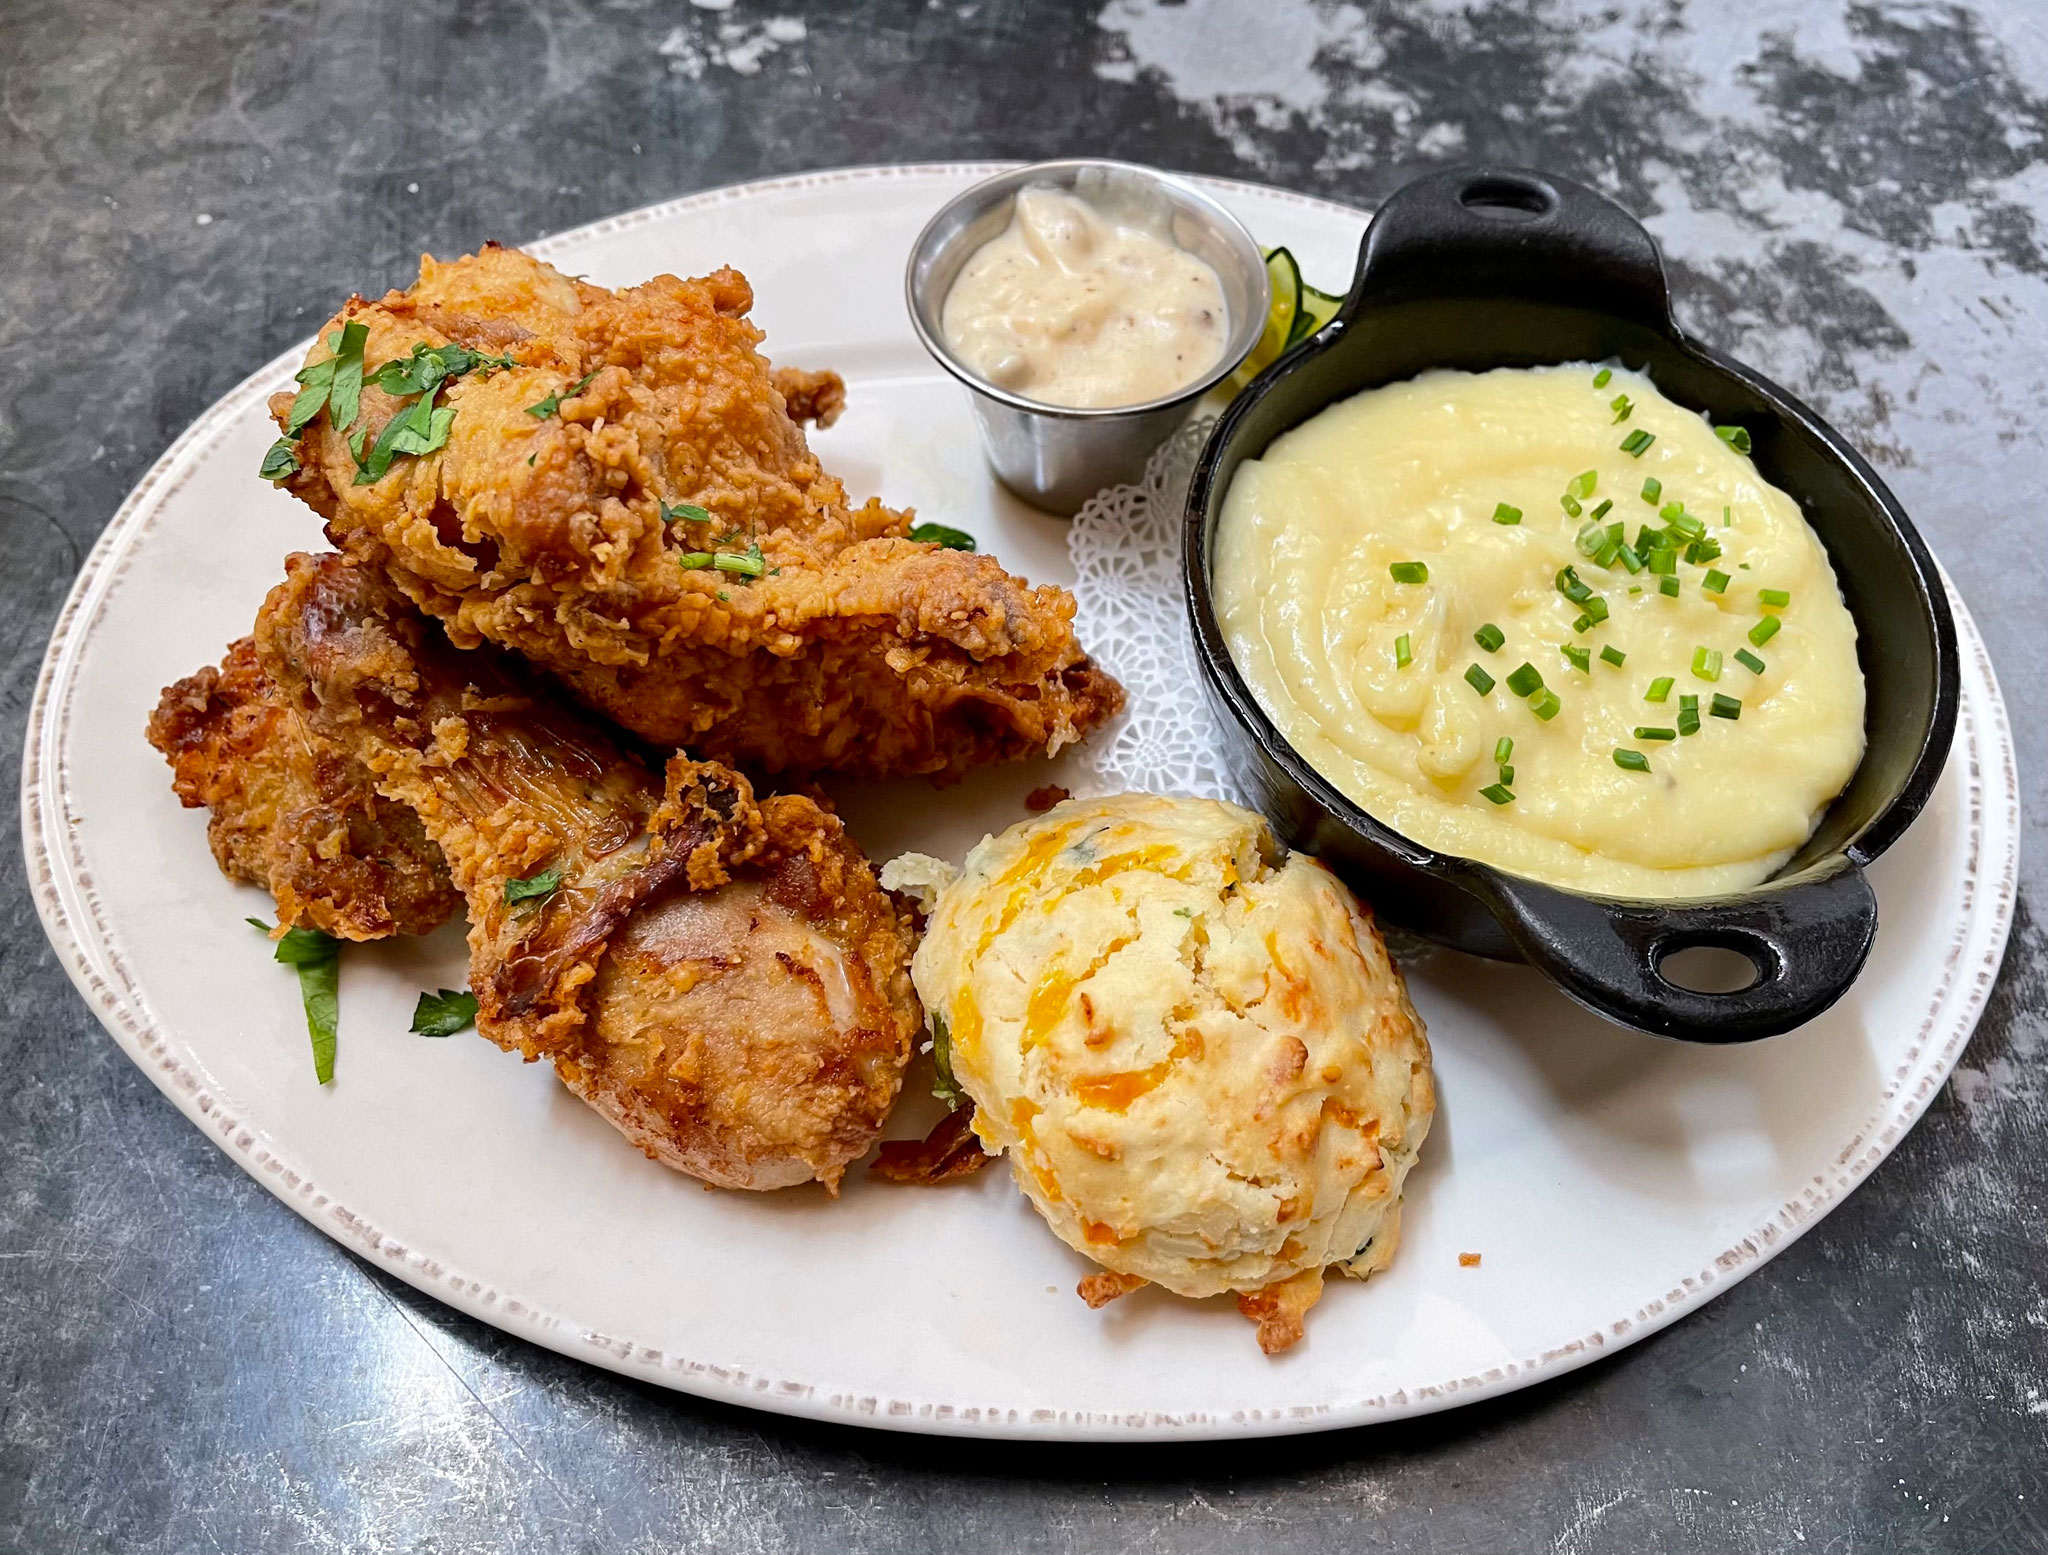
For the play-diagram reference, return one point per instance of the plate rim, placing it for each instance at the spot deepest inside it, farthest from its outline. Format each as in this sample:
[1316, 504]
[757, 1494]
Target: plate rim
[70, 911]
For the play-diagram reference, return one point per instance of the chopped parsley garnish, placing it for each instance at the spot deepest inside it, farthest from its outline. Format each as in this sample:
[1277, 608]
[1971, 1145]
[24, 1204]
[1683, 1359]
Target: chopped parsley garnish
[1477, 678]
[281, 460]
[420, 428]
[430, 366]
[1630, 761]
[1490, 637]
[1409, 572]
[443, 1014]
[688, 512]
[1503, 514]
[316, 957]
[534, 888]
[942, 534]
[1637, 442]
[1736, 438]
[553, 402]
[335, 385]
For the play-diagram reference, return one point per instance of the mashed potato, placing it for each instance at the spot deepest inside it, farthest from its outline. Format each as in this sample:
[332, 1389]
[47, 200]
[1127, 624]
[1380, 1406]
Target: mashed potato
[1192, 1046]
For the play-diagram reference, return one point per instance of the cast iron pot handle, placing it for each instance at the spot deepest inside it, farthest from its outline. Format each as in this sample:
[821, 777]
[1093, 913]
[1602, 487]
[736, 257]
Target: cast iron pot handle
[1807, 940]
[1510, 232]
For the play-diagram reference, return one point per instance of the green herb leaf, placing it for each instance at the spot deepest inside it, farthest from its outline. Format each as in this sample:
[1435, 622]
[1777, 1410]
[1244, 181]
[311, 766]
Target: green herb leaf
[1621, 408]
[443, 1014]
[430, 366]
[748, 564]
[1582, 484]
[534, 888]
[1668, 586]
[316, 957]
[547, 407]
[282, 460]
[317, 379]
[944, 1087]
[305, 947]
[1715, 582]
[345, 390]
[941, 534]
[1503, 750]
[689, 512]
[420, 428]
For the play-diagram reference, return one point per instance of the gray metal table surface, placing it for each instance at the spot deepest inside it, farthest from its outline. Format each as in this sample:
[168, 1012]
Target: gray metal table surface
[1854, 196]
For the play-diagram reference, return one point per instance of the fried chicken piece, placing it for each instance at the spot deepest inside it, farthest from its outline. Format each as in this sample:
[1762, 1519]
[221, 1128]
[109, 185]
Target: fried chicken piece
[816, 398]
[293, 813]
[641, 430]
[950, 1150]
[719, 976]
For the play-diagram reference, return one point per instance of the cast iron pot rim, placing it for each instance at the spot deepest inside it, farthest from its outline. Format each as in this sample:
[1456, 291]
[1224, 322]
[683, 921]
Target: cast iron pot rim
[1878, 834]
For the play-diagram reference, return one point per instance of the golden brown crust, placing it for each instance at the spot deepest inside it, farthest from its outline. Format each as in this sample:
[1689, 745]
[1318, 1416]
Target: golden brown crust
[810, 397]
[951, 1150]
[293, 813]
[558, 536]
[1281, 1309]
[718, 975]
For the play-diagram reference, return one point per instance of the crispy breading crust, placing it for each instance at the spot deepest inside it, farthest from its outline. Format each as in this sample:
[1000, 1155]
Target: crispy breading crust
[719, 976]
[559, 535]
[293, 813]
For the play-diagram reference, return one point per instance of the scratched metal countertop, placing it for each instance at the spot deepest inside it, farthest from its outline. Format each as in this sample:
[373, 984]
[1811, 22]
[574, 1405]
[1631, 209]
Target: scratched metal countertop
[1854, 196]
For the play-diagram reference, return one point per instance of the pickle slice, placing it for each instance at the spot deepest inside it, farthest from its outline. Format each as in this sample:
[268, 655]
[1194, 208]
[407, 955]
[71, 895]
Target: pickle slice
[1285, 276]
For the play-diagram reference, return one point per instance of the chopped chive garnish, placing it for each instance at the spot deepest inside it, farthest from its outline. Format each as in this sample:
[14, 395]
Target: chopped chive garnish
[1545, 704]
[1660, 688]
[1635, 588]
[1404, 654]
[1609, 552]
[750, 564]
[1503, 514]
[1727, 517]
[1715, 582]
[1687, 526]
[1572, 586]
[1591, 536]
[1503, 751]
[1706, 663]
[1632, 562]
[1613, 655]
[1652, 733]
[1582, 658]
[1779, 597]
[1725, 706]
[1765, 630]
[1621, 407]
[1526, 680]
[1603, 377]
[1663, 563]
[1668, 587]
[1507, 777]
[1652, 490]
[1409, 572]
[1581, 485]
[691, 561]
[1490, 637]
[1671, 510]
[1635, 444]
[1688, 715]
[1736, 438]
[1570, 504]
[1605, 504]
[1749, 661]
[1477, 678]
[1630, 761]
[1584, 623]
[1498, 793]
[1596, 608]
[1704, 549]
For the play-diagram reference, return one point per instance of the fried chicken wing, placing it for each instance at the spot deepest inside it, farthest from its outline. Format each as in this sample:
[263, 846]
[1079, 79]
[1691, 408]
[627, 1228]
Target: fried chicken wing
[718, 975]
[293, 813]
[631, 505]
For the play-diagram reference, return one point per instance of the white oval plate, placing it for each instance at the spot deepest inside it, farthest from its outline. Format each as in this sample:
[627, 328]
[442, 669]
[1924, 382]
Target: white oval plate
[1609, 1181]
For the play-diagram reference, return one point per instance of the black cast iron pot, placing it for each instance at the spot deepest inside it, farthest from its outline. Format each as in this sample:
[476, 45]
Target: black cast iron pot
[1502, 267]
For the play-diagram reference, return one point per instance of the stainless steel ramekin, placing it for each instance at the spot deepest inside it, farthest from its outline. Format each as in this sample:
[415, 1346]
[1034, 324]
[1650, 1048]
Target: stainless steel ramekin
[1057, 456]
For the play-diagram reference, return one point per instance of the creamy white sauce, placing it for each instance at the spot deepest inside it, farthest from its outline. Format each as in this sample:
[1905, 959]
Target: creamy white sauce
[1076, 304]
[1413, 472]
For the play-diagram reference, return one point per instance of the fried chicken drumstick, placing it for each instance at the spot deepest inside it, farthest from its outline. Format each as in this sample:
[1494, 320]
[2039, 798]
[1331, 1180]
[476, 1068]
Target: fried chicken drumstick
[622, 496]
[294, 813]
[719, 976]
